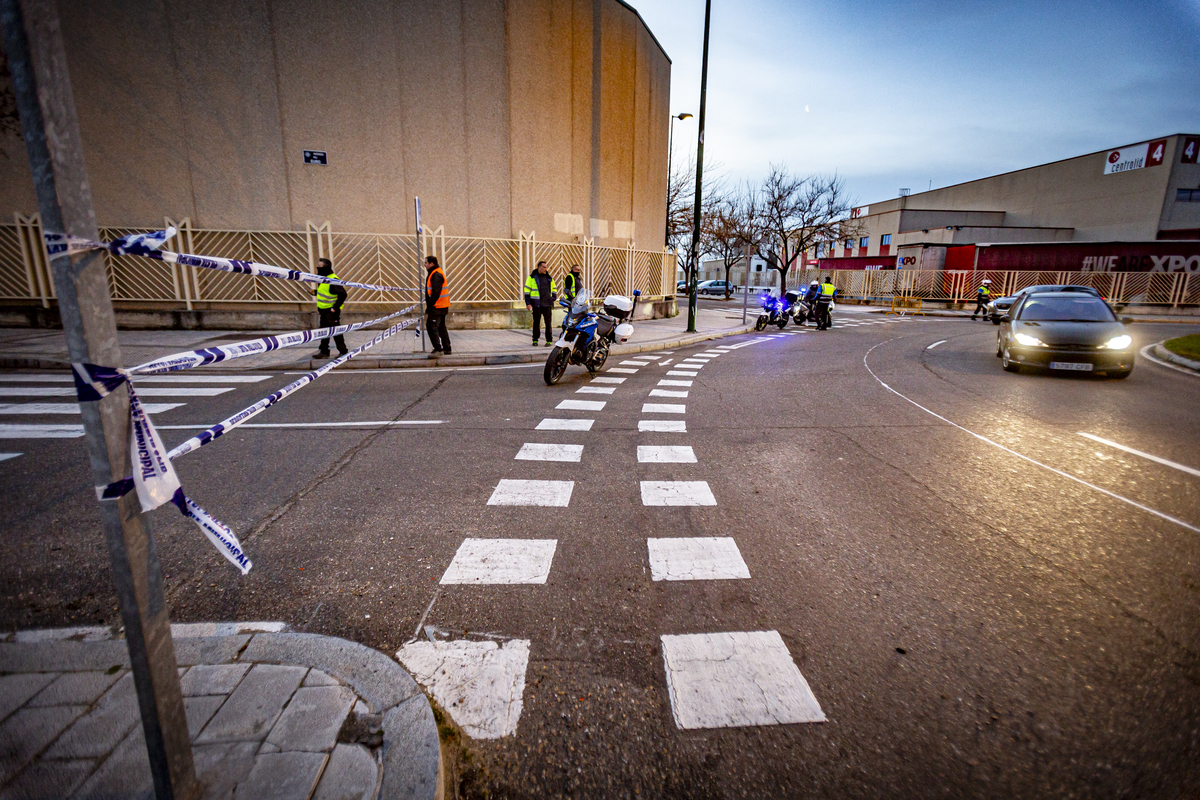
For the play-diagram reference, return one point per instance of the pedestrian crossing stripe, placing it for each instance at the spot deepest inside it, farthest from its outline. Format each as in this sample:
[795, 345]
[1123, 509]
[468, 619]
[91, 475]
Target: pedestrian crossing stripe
[73, 408]
[7, 456]
[23, 431]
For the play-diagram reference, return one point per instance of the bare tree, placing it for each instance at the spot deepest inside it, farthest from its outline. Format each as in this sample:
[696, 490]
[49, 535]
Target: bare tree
[729, 227]
[795, 213]
[681, 198]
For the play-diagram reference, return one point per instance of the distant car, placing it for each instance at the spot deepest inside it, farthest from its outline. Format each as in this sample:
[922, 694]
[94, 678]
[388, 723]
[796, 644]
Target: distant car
[1000, 306]
[1065, 330]
[714, 287]
[681, 287]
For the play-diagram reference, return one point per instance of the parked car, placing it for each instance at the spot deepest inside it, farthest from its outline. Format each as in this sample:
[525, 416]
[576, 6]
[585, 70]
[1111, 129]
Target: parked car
[715, 287]
[681, 287]
[1065, 330]
[1000, 306]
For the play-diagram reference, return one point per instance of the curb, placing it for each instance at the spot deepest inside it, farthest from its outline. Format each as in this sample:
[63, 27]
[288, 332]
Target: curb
[411, 751]
[1162, 354]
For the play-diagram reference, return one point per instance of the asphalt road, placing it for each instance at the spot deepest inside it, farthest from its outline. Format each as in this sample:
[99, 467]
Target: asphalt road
[982, 601]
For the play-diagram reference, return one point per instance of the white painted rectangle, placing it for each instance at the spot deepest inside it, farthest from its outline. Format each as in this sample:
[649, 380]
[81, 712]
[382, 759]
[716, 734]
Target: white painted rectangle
[551, 424]
[73, 408]
[730, 680]
[634, 363]
[677, 493]
[711, 354]
[665, 454]
[535, 451]
[21, 431]
[605, 379]
[7, 456]
[501, 561]
[532, 493]
[581, 405]
[663, 408]
[682, 373]
[647, 357]
[69, 391]
[696, 559]
[668, 393]
[662, 426]
[623, 371]
[666, 382]
[595, 390]
[186, 377]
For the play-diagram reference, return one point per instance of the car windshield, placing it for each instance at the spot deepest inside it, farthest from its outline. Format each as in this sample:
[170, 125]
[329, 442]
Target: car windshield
[1065, 308]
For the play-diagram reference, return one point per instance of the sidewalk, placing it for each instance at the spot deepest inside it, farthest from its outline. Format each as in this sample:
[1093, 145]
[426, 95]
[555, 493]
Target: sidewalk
[271, 714]
[31, 348]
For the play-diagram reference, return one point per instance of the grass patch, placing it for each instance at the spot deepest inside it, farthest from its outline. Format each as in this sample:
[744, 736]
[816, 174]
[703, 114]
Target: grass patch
[1186, 346]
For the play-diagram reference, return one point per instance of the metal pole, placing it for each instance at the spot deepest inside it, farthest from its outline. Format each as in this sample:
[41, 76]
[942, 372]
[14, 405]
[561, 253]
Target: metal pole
[420, 272]
[38, 62]
[670, 154]
[695, 251]
[747, 250]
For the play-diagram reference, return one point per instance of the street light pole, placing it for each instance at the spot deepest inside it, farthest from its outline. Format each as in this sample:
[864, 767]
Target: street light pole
[695, 249]
[670, 162]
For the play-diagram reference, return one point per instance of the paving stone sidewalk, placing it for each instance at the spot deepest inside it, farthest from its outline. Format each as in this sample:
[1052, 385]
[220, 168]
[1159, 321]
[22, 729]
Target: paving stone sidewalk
[271, 714]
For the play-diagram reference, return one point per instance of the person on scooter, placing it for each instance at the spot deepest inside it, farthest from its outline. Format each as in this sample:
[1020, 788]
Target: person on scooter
[810, 300]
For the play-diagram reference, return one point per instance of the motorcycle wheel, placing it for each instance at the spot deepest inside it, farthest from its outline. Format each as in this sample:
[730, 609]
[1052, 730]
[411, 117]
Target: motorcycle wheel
[556, 365]
[783, 321]
[597, 364]
[762, 323]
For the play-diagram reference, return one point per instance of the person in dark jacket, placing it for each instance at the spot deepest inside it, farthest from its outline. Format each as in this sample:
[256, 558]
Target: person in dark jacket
[572, 284]
[437, 305]
[540, 294]
[330, 299]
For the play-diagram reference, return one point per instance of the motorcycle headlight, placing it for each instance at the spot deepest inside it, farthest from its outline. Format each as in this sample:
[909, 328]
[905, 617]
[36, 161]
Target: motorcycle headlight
[1027, 340]
[1119, 342]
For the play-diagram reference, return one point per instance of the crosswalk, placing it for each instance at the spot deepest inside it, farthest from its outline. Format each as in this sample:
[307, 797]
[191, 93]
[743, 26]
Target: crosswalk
[30, 395]
[714, 680]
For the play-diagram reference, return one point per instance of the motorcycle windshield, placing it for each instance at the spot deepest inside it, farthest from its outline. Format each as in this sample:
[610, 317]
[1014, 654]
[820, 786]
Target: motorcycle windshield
[580, 306]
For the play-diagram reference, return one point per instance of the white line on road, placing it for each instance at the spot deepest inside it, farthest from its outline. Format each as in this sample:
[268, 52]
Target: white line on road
[935, 344]
[706, 558]
[581, 405]
[603, 379]
[69, 391]
[535, 451]
[682, 373]
[665, 454]
[7, 456]
[73, 408]
[140, 379]
[401, 370]
[551, 424]
[624, 371]
[365, 424]
[532, 493]
[668, 382]
[634, 363]
[1009, 450]
[500, 561]
[663, 408]
[667, 393]
[1147, 353]
[1156, 459]
[21, 431]
[658, 426]
[595, 390]
[677, 493]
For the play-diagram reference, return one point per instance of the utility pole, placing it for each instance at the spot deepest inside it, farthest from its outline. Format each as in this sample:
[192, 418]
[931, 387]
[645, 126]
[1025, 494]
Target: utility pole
[695, 250]
[38, 62]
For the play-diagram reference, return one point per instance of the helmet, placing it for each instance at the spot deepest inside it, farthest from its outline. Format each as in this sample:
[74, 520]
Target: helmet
[814, 283]
[986, 281]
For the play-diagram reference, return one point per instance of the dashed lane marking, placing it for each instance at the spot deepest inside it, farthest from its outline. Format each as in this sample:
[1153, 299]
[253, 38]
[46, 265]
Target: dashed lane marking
[677, 493]
[69, 391]
[682, 373]
[532, 493]
[552, 424]
[663, 408]
[668, 382]
[634, 363]
[595, 390]
[665, 454]
[736, 679]
[706, 558]
[536, 451]
[662, 426]
[73, 408]
[623, 371]
[605, 379]
[581, 405]
[20, 431]
[667, 393]
[501, 561]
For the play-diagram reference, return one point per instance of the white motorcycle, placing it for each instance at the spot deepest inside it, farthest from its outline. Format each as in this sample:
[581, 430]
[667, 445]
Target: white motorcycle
[587, 335]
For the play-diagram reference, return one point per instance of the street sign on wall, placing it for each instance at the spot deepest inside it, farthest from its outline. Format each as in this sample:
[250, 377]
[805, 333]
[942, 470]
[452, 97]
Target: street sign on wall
[316, 157]
[1135, 156]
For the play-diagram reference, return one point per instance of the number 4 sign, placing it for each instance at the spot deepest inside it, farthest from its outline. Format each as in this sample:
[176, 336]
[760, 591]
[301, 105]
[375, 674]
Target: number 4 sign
[1157, 150]
[1191, 149]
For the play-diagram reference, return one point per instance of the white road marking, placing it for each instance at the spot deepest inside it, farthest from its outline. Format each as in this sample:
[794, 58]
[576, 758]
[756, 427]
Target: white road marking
[682, 373]
[480, 684]
[7, 456]
[73, 408]
[535, 451]
[663, 408]
[729, 680]
[648, 357]
[581, 405]
[1009, 450]
[1147, 353]
[666, 382]
[935, 344]
[665, 454]
[1155, 459]
[498, 561]
[368, 424]
[140, 379]
[711, 354]
[604, 379]
[667, 352]
[532, 493]
[677, 493]
[551, 424]
[595, 390]
[634, 363]
[622, 371]
[664, 363]
[662, 425]
[20, 431]
[69, 391]
[667, 393]
[704, 558]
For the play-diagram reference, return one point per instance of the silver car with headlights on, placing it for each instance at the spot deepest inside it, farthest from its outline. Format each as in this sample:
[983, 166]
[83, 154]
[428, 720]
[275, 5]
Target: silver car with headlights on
[1065, 331]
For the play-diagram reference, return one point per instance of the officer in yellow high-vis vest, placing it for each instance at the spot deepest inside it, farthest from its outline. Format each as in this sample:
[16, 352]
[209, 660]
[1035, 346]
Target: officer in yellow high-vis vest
[540, 294]
[983, 296]
[330, 299]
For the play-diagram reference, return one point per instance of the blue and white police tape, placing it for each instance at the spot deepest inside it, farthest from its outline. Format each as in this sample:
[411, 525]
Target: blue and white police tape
[227, 352]
[147, 244]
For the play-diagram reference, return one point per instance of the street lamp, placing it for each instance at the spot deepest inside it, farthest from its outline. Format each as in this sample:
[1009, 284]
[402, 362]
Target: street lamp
[670, 157]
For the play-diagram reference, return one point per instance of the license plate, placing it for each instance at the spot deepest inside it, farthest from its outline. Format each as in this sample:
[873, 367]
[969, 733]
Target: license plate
[1076, 365]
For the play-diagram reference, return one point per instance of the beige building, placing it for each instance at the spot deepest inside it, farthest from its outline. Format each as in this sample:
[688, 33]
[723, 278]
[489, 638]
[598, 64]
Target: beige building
[1144, 192]
[504, 116]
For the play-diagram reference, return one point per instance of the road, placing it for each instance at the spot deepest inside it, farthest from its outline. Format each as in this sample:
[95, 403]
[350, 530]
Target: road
[905, 542]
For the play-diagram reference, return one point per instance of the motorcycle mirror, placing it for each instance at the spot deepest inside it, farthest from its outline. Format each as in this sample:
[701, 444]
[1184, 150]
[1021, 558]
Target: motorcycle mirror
[636, 293]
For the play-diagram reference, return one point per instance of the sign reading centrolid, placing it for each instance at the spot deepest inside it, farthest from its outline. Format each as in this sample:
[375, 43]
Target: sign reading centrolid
[1135, 156]
[316, 157]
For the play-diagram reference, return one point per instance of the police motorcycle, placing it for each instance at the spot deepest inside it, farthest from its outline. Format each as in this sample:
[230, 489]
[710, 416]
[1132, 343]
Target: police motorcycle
[799, 309]
[824, 310]
[587, 335]
[775, 311]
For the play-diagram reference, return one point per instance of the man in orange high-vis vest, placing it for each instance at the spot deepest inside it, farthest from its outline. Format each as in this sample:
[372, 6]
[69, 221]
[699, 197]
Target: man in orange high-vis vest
[437, 304]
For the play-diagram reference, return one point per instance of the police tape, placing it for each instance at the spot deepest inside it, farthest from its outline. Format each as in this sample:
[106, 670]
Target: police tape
[154, 477]
[148, 244]
[190, 359]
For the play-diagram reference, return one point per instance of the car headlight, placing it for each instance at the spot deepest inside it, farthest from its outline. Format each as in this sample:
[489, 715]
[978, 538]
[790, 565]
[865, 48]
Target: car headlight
[1119, 342]
[1027, 340]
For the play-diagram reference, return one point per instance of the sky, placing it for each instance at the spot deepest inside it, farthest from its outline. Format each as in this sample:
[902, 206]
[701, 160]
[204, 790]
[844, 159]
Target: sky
[920, 93]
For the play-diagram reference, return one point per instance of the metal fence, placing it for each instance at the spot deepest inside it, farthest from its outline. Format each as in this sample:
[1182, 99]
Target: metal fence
[959, 286]
[478, 270]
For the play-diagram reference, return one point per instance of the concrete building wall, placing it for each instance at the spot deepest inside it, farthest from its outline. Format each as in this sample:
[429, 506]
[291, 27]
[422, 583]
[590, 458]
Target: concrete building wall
[503, 115]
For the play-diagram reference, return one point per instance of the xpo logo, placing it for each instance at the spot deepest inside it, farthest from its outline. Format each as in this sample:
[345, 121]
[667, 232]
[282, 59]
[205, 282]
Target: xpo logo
[906, 261]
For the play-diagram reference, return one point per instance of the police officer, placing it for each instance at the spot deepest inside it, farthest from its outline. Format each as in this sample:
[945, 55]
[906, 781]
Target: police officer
[810, 300]
[540, 294]
[330, 299]
[437, 305]
[572, 284]
[824, 299]
[982, 296]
